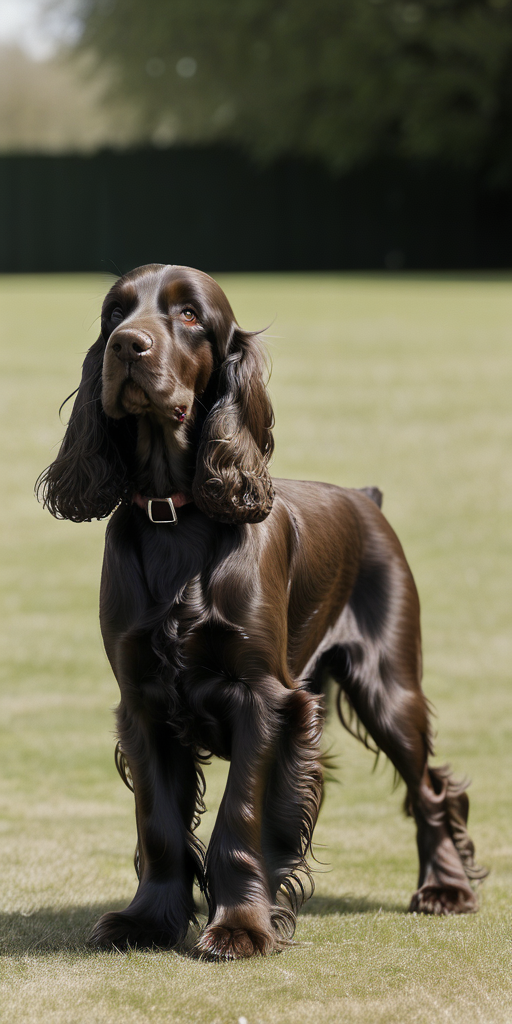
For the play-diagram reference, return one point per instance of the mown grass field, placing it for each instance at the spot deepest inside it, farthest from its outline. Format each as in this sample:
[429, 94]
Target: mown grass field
[398, 381]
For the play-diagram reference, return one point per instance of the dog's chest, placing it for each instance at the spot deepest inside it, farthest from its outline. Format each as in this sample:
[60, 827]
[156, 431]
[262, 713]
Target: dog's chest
[218, 664]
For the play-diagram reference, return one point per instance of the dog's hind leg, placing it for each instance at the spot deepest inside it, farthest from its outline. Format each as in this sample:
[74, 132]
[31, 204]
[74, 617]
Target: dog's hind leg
[380, 679]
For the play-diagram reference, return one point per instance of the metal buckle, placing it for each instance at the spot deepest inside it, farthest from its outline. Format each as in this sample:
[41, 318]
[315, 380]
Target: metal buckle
[169, 502]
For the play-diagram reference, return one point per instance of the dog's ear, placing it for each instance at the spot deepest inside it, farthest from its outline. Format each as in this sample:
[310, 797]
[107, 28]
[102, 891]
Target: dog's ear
[232, 483]
[89, 475]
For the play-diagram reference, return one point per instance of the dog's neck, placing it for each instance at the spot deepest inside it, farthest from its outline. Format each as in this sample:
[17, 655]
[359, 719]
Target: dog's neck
[162, 459]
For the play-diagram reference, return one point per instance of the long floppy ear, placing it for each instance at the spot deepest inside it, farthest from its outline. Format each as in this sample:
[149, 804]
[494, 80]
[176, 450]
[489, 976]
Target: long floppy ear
[232, 483]
[89, 475]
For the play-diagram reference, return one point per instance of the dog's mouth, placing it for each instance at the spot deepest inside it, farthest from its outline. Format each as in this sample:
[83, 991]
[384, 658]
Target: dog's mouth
[134, 399]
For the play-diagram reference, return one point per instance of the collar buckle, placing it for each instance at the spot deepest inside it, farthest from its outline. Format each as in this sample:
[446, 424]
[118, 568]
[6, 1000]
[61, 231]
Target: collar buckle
[169, 508]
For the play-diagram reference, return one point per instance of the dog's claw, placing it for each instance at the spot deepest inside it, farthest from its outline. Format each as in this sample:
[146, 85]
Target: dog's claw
[218, 943]
[444, 900]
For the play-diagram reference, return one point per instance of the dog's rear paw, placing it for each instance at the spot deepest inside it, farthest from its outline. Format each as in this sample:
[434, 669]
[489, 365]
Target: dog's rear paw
[219, 943]
[444, 900]
[121, 930]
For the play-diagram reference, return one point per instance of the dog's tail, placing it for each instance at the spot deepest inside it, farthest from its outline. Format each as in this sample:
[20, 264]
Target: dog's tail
[373, 493]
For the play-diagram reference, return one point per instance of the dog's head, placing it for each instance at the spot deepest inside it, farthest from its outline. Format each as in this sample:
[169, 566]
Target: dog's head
[170, 350]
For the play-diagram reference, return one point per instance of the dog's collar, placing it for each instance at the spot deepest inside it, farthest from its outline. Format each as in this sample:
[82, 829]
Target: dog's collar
[161, 510]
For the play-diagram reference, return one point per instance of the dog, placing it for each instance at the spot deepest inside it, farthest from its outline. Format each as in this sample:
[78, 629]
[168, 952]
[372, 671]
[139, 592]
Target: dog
[229, 602]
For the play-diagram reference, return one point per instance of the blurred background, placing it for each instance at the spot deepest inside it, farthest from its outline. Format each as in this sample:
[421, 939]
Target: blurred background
[257, 135]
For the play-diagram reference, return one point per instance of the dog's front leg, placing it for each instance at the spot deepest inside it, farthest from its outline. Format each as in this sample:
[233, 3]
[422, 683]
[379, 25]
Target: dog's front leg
[165, 784]
[239, 895]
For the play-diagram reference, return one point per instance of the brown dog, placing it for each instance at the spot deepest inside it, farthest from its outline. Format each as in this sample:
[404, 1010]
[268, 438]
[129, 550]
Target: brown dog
[227, 603]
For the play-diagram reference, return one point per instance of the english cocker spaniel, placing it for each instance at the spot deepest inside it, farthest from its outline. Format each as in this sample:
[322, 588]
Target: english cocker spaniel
[228, 601]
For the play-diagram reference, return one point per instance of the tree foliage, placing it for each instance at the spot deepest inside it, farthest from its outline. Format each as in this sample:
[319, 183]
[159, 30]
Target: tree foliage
[342, 80]
[45, 108]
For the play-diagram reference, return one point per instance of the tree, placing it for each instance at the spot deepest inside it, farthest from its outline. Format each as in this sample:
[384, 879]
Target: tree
[342, 80]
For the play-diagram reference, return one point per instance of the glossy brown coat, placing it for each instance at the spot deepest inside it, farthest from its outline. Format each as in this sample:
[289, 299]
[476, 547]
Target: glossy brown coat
[224, 629]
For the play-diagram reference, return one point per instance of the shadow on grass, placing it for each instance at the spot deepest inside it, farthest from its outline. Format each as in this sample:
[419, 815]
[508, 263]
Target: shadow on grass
[322, 906]
[49, 930]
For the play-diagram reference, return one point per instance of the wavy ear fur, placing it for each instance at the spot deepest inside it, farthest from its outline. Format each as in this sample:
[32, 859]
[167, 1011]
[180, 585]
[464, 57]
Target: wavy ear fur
[88, 477]
[232, 483]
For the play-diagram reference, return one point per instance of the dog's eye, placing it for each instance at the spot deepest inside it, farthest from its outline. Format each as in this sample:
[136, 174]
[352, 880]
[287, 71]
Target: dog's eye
[188, 316]
[116, 315]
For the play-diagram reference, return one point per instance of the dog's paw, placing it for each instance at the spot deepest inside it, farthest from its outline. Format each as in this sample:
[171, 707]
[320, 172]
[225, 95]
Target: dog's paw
[219, 943]
[444, 900]
[122, 930]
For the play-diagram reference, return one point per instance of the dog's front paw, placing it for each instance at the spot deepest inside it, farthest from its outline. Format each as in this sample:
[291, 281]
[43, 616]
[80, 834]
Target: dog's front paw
[219, 943]
[121, 930]
[444, 900]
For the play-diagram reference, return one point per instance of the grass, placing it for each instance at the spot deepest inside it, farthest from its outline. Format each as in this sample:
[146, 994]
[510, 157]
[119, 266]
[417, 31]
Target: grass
[402, 382]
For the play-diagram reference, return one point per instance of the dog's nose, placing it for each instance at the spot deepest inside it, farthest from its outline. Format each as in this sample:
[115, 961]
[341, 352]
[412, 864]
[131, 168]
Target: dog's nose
[130, 345]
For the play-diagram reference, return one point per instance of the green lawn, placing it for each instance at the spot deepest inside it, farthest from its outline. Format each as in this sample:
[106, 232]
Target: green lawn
[398, 381]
